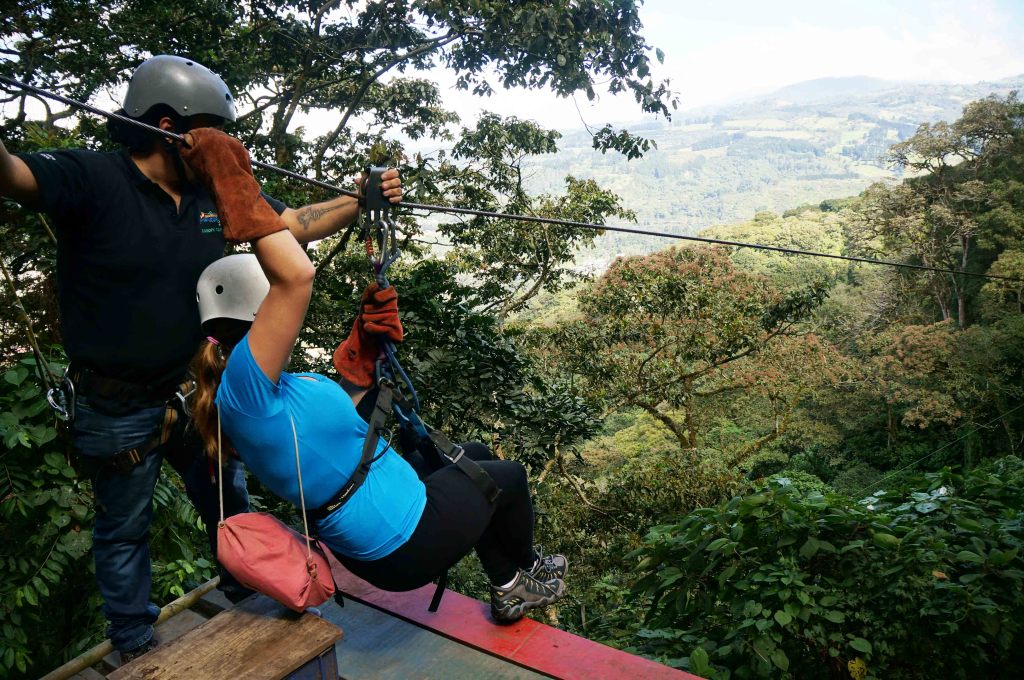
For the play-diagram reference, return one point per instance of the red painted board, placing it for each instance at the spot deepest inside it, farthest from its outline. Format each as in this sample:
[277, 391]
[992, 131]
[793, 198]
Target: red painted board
[526, 643]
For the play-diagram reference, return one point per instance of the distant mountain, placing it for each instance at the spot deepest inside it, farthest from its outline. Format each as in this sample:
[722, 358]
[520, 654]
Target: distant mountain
[802, 144]
[825, 88]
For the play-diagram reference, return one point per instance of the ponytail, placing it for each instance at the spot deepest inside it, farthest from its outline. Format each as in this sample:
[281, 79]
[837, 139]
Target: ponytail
[207, 368]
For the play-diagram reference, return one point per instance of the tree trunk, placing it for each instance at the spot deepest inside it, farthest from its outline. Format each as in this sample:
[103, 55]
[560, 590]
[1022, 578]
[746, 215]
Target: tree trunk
[675, 428]
[961, 296]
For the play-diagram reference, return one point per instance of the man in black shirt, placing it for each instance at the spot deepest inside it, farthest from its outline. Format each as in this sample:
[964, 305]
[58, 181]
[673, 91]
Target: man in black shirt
[134, 233]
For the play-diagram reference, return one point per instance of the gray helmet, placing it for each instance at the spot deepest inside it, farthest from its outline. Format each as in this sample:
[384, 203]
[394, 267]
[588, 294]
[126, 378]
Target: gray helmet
[186, 86]
[232, 287]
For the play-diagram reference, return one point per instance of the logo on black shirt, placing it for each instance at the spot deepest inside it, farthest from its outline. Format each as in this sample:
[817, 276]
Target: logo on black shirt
[209, 223]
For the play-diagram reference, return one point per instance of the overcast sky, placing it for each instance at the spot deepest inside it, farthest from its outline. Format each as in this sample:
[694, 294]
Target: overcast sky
[724, 50]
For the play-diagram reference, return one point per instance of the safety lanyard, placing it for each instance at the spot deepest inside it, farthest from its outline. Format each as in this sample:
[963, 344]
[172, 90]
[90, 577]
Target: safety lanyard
[379, 231]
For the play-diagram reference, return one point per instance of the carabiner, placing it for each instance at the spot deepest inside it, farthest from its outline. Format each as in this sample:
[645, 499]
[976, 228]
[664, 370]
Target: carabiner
[61, 398]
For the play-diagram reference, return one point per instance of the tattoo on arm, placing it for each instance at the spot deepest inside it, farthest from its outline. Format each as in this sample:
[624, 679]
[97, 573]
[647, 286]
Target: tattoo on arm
[313, 213]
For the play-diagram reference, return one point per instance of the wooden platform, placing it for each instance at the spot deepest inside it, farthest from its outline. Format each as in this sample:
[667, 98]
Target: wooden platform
[258, 639]
[388, 636]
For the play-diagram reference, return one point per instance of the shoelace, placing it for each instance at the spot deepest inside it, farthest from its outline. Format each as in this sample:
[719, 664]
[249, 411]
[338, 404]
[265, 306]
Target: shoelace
[537, 587]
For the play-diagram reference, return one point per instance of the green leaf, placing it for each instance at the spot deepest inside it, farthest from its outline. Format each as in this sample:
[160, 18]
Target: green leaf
[968, 556]
[15, 376]
[783, 618]
[968, 524]
[699, 662]
[726, 574]
[835, 616]
[809, 548]
[1000, 557]
[780, 659]
[788, 539]
[885, 540]
[716, 544]
[861, 645]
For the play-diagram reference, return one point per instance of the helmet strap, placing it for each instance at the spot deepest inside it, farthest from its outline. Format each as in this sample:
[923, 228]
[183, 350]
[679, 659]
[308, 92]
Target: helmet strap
[172, 148]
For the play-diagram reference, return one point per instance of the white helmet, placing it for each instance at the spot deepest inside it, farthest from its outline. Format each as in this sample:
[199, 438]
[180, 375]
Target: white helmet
[233, 287]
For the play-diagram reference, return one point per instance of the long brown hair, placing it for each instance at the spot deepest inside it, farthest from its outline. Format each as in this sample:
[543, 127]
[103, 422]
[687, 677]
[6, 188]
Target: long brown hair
[207, 367]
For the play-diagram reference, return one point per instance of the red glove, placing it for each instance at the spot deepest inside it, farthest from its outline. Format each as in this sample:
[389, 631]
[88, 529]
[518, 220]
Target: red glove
[356, 357]
[222, 163]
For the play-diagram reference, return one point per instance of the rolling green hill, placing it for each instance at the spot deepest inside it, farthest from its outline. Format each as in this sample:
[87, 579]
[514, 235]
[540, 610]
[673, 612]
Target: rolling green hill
[801, 144]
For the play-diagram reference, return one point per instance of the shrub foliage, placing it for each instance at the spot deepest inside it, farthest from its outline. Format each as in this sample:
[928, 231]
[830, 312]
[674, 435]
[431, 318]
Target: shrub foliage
[897, 585]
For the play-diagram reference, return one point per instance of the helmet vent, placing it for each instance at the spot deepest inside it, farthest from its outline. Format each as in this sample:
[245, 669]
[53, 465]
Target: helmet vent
[220, 289]
[188, 63]
[227, 95]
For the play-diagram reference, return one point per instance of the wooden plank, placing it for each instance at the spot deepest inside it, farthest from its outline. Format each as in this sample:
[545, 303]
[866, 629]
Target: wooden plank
[87, 674]
[179, 624]
[171, 629]
[378, 646]
[258, 639]
[527, 642]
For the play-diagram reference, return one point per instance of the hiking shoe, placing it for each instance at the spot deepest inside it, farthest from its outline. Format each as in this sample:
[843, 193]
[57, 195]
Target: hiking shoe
[133, 654]
[510, 604]
[548, 567]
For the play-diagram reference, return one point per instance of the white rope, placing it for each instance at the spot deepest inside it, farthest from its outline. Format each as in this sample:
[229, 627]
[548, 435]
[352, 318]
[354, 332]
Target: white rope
[220, 469]
[302, 497]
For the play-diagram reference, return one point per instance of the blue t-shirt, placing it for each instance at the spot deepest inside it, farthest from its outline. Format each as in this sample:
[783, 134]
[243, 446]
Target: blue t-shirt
[255, 413]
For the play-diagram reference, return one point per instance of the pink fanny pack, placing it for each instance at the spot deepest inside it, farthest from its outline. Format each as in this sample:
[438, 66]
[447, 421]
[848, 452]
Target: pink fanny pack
[268, 556]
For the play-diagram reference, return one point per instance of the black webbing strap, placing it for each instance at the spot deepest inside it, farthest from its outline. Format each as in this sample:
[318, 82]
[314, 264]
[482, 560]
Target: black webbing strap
[442, 584]
[457, 455]
[440, 449]
[381, 412]
[444, 449]
[125, 460]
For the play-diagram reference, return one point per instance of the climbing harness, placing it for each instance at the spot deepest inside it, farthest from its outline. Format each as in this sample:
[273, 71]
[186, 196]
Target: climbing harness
[396, 394]
[176, 412]
[379, 228]
[408, 205]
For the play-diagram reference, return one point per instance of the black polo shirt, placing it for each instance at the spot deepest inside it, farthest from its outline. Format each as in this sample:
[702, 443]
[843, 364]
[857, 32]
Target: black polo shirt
[127, 263]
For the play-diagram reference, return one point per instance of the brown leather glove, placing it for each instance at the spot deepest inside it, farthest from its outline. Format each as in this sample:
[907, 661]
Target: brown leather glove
[380, 312]
[356, 357]
[222, 163]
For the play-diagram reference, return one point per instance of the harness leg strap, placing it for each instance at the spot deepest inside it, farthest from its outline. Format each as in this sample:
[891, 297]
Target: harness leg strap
[470, 467]
[442, 584]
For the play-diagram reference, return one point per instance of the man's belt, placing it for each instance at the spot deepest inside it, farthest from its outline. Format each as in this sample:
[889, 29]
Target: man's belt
[92, 383]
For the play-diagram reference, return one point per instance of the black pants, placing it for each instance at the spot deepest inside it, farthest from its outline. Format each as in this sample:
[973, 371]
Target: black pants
[457, 518]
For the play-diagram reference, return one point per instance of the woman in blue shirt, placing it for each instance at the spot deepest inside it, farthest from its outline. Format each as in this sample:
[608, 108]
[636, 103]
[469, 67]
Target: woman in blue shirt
[397, 531]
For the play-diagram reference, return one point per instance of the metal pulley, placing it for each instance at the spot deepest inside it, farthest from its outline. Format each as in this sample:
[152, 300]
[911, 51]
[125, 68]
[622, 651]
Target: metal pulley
[379, 229]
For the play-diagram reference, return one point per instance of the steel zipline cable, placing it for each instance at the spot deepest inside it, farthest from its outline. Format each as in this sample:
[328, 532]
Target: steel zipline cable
[506, 216]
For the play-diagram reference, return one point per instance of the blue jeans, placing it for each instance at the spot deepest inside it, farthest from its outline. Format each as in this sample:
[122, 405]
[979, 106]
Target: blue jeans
[124, 510]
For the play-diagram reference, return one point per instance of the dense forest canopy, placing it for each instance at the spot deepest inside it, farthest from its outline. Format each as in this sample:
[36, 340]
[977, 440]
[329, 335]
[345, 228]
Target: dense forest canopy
[760, 465]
